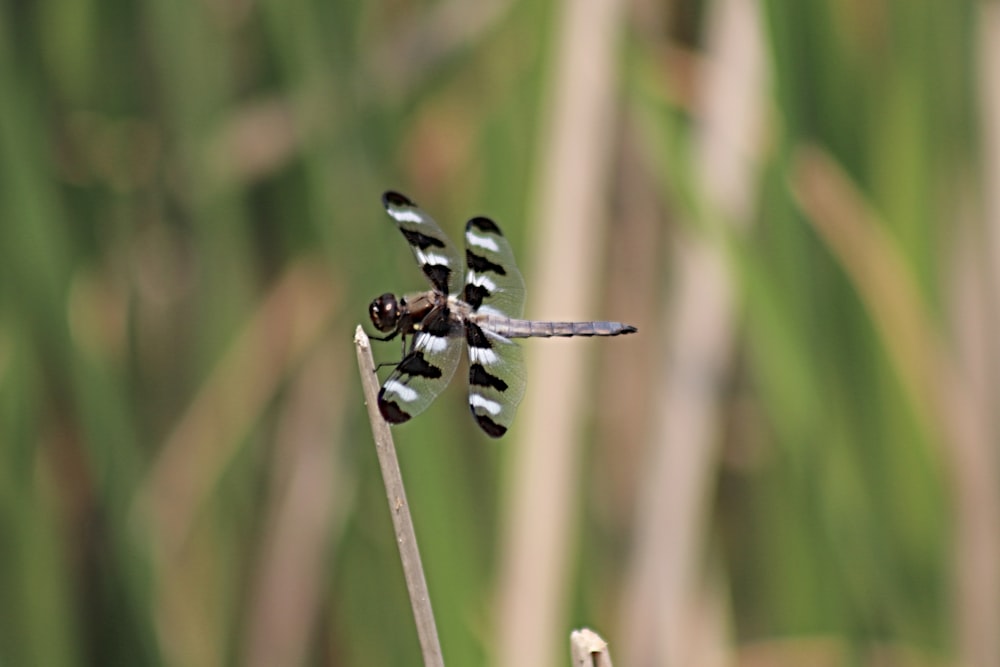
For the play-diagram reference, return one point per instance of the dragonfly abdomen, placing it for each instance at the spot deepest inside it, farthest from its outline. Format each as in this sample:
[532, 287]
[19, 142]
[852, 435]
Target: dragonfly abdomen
[511, 328]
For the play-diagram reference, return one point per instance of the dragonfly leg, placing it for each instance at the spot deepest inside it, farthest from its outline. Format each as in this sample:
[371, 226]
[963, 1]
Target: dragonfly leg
[402, 351]
[385, 338]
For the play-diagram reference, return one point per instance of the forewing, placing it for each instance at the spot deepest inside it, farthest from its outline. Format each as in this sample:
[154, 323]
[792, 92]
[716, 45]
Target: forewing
[437, 257]
[424, 372]
[492, 282]
[496, 379]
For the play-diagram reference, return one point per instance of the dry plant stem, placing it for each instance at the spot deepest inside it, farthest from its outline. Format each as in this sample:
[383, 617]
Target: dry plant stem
[305, 514]
[938, 385]
[279, 335]
[406, 538]
[540, 508]
[588, 649]
[673, 610]
[977, 319]
[283, 329]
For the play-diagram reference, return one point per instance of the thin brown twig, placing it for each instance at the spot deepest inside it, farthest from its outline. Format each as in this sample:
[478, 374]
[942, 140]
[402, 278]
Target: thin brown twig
[406, 538]
[588, 649]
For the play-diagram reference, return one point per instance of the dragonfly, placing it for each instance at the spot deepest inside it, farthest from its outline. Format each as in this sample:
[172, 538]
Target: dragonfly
[479, 306]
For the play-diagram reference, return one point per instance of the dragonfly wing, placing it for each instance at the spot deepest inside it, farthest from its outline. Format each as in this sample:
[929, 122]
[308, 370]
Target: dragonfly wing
[437, 257]
[424, 372]
[492, 282]
[496, 379]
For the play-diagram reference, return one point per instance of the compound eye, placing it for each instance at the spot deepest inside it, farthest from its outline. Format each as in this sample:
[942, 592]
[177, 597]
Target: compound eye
[384, 312]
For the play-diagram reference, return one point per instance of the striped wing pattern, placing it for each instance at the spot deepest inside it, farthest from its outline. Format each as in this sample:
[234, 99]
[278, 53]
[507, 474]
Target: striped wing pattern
[437, 258]
[496, 379]
[493, 286]
[492, 282]
[425, 370]
[430, 363]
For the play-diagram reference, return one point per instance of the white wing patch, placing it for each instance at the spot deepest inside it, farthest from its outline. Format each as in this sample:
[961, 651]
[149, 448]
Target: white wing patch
[481, 280]
[400, 389]
[405, 215]
[431, 258]
[482, 355]
[430, 343]
[481, 241]
[477, 401]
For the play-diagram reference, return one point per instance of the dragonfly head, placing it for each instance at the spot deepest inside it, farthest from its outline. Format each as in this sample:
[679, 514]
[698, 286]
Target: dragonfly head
[384, 312]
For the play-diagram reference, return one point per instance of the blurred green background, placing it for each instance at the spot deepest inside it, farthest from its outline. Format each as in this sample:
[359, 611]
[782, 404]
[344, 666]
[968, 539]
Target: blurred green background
[793, 463]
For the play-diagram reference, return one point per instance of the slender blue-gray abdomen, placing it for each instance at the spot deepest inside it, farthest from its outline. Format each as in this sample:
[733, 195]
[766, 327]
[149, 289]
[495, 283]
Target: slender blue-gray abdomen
[511, 328]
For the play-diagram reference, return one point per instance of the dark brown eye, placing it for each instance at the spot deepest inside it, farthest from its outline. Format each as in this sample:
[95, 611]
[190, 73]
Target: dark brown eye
[384, 312]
